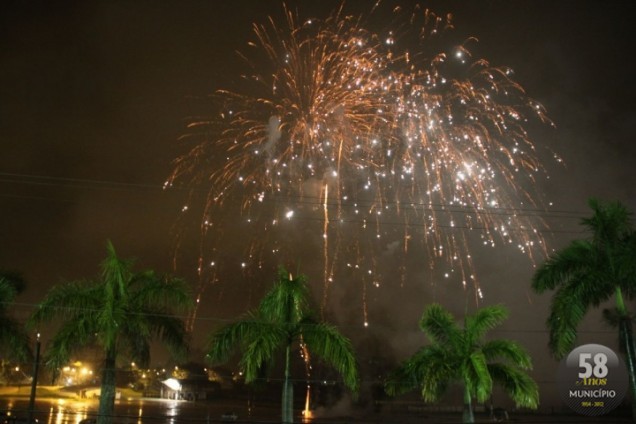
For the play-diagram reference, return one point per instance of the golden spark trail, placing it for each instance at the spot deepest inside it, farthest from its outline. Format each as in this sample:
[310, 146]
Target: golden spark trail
[325, 247]
[305, 355]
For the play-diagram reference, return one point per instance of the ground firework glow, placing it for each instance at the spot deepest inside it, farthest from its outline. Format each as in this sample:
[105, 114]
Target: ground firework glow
[345, 143]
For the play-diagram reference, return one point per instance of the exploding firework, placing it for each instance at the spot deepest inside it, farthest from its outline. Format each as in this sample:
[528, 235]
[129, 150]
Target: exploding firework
[344, 142]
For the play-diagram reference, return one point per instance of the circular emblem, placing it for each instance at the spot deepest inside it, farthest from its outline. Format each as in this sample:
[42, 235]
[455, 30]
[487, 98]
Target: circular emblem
[592, 380]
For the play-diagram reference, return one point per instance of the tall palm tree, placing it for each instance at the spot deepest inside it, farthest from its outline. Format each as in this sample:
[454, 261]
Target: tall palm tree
[14, 341]
[120, 312]
[281, 322]
[460, 356]
[591, 271]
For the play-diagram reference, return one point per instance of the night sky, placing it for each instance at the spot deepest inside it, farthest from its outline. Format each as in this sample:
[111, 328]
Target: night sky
[94, 96]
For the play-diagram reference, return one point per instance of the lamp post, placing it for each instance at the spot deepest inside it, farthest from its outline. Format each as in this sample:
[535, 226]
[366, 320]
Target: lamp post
[34, 380]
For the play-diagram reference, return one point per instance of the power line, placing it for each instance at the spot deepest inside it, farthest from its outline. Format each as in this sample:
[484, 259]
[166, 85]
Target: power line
[71, 182]
[230, 320]
[299, 200]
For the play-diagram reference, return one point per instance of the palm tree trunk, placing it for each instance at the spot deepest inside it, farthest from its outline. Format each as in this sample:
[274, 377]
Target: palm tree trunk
[107, 392]
[288, 392]
[627, 337]
[467, 416]
[626, 334]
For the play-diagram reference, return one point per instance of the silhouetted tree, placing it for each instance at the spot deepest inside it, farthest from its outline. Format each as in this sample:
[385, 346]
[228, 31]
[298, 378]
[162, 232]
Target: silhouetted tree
[458, 355]
[283, 320]
[591, 271]
[14, 342]
[121, 312]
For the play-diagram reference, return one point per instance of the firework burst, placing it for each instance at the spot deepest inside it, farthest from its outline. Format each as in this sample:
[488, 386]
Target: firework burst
[365, 138]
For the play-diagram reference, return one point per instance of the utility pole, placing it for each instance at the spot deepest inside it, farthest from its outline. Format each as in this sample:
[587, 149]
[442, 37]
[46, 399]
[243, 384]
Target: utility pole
[34, 380]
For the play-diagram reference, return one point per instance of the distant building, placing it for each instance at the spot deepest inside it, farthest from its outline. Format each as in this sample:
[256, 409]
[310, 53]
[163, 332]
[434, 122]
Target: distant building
[189, 389]
[95, 392]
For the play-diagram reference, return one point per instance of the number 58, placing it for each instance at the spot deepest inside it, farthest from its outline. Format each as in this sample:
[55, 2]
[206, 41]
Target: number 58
[599, 370]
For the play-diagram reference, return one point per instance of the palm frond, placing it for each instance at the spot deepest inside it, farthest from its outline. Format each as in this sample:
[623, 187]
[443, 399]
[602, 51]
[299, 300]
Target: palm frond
[237, 336]
[68, 301]
[7, 294]
[480, 381]
[332, 347]
[435, 384]
[401, 380]
[521, 388]
[439, 325]
[170, 330]
[116, 273]
[135, 338]
[609, 222]
[14, 342]
[111, 317]
[145, 325]
[430, 369]
[72, 336]
[261, 349]
[287, 300]
[612, 317]
[569, 305]
[625, 263]
[483, 320]
[509, 351]
[159, 291]
[565, 266]
[12, 279]
[436, 370]
[139, 351]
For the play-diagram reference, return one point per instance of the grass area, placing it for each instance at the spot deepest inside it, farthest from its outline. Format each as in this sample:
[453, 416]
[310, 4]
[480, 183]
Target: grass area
[56, 392]
[40, 392]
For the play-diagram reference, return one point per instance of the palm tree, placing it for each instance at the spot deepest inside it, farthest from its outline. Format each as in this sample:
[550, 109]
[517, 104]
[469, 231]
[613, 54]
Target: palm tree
[120, 312]
[459, 355]
[588, 272]
[283, 321]
[14, 341]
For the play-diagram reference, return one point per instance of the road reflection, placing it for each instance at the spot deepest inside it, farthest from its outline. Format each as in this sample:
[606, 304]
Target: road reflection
[131, 411]
[50, 411]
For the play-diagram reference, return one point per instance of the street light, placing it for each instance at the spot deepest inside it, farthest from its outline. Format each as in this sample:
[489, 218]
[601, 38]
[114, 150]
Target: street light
[34, 380]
